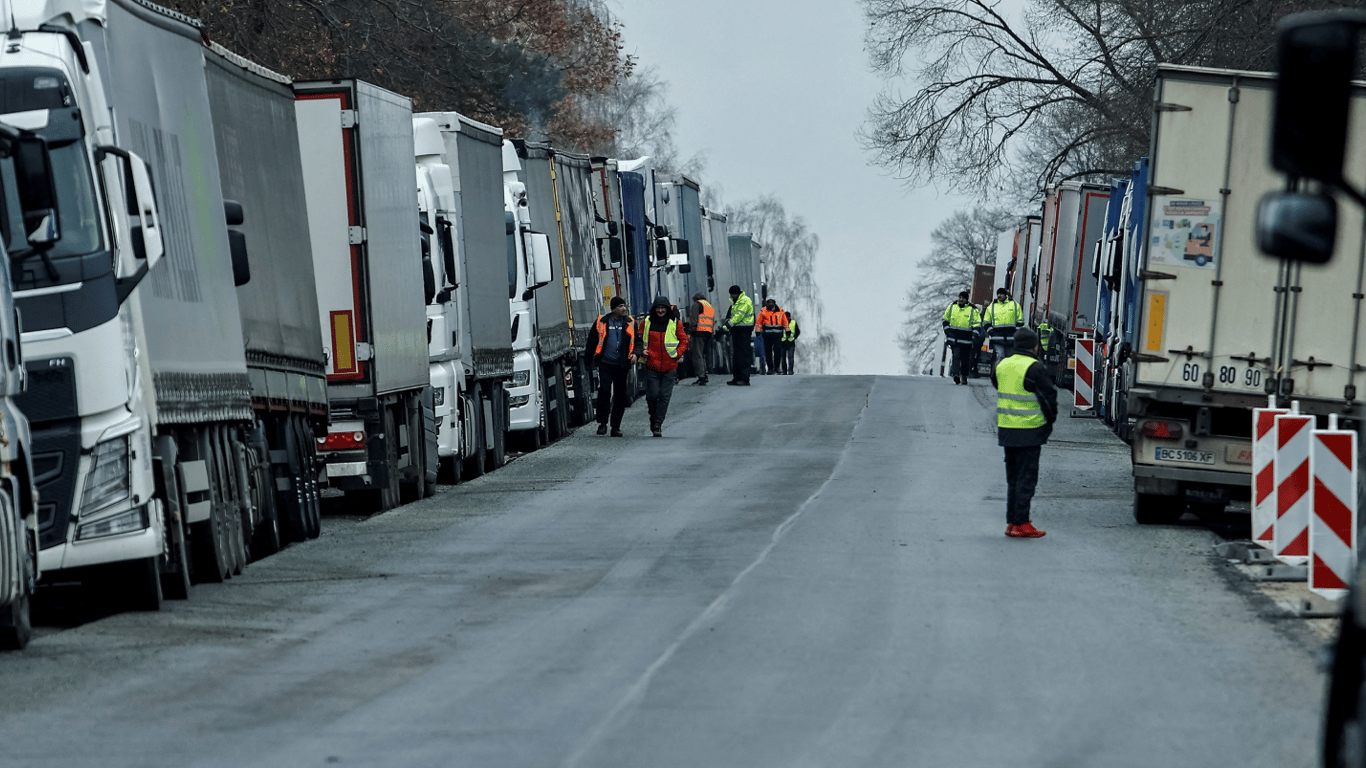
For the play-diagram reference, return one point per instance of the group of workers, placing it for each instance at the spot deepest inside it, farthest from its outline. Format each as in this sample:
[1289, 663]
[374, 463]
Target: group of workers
[659, 341]
[966, 327]
[1026, 398]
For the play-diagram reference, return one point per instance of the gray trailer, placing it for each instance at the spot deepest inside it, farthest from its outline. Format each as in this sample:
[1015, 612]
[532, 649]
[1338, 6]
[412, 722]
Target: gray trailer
[560, 196]
[356, 142]
[487, 267]
[256, 138]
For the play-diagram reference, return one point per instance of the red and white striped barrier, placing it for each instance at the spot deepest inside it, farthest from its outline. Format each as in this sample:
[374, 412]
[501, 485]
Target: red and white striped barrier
[1264, 472]
[1083, 386]
[1333, 519]
[1290, 539]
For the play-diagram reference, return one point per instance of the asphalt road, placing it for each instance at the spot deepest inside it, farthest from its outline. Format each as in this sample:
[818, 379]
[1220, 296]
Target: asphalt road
[807, 572]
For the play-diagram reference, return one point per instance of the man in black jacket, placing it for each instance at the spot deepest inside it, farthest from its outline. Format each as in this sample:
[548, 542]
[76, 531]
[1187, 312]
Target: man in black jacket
[1026, 407]
[613, 347]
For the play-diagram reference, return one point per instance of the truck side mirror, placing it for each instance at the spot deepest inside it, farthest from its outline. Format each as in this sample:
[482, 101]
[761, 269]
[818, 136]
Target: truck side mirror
[1316, 54]
[37, 191]
[1300, 226]
[678, 254]
[232, 213]
[241, 268]
[142, 204]
[609, 251]
[541, 271]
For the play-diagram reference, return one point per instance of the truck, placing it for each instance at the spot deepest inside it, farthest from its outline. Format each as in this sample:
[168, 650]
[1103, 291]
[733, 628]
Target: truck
[140, 395]
[356, 144]
[717, 279]
[485, 280]
[678, 233]
[1117, 283]
[256, 140]
[30, 223]
[559, 188]
[1073, 221]
[1219, 327]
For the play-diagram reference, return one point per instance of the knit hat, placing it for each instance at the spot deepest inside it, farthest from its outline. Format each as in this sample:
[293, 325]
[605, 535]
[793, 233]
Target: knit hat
[617, 301]
[699, 296]
[1026, 339]
[661, 301]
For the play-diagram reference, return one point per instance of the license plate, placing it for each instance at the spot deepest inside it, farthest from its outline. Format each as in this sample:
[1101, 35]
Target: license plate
[1184, 456]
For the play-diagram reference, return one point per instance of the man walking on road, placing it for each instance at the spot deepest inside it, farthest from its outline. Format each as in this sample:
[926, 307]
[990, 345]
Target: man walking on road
[961, 323]
[663, 342]
[1001, 318]
[789, 343]
[612, 345]
[740, 323]
[771, 324]
[1026, 407]
[701, 320]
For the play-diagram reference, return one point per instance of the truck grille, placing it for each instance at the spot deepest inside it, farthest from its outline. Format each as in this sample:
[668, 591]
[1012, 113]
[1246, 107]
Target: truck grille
[51, 391]
[56, 456]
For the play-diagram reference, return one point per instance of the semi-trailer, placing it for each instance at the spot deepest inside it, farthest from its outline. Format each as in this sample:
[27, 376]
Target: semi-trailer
[257, 144]
[141, 397]
[560, 200]
[1073, 223]
[1219, 327]
[356, 145]
[486, 282]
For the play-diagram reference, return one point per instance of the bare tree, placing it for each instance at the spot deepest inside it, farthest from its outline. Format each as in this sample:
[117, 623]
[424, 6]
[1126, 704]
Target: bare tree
[1061, 90]
[960, 242]
[789, 255]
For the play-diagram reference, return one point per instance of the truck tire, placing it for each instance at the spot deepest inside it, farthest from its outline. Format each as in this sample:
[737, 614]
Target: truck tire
[582, 408]
[16, 619]
[416, 488]
[431, 458]
[497, 452]
[564, 419]
[209, 543]
[1150, 509]
[267, 538]
[474, 463]
[16, 624]
[292, 501]
[313, 492]
[175, 581]
[385, 497]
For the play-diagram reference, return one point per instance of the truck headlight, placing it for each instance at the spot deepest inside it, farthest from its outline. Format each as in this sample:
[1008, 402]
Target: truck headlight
[517, 401]
[107, 482]
[439, 396]
[132, 521]
[521, 378]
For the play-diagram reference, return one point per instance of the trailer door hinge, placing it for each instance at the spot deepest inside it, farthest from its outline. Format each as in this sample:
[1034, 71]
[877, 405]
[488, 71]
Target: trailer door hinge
[348, 118]
[1163, 106]
[1154, 189]
[356, 235]
[1142, 357]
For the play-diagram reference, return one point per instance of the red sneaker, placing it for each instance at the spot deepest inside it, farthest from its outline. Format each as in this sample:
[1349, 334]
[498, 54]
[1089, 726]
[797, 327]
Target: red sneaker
[1013, 531]
[1028, 531]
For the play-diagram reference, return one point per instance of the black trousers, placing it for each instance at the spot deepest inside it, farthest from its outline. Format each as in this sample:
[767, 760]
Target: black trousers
[1022, 476]
[773, 352]
[612, 393]
[659, 390]
[742, 352]
[960, 341]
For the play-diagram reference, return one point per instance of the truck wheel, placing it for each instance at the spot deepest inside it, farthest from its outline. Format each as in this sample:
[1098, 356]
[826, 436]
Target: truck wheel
[293, 502]
[209, 545]
[564, 418]
[16, 619]
[16, 624]
[497, 453]
[175, 583]
[415, 489]
[431, 456]
[474, 463]
[267, 539]
[1150, 509]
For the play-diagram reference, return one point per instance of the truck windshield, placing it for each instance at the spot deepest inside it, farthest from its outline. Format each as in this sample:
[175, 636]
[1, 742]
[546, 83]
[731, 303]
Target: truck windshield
[29, 92]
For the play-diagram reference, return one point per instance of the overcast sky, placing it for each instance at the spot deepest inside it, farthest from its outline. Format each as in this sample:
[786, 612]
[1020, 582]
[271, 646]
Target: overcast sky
[774, 94]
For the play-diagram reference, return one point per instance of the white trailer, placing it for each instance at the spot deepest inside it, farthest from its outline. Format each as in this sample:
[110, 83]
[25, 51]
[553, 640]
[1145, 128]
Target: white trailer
[1219, 325]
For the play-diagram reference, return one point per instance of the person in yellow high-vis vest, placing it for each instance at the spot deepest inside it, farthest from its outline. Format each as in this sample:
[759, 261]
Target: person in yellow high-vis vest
[962, 321]
[1026, 407]
[663, 342]
[1001, 319]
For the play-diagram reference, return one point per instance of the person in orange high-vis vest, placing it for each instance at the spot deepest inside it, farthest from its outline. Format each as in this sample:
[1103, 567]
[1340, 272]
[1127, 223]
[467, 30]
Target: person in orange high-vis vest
[701, 323]
[612, 347]
[770, 326]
